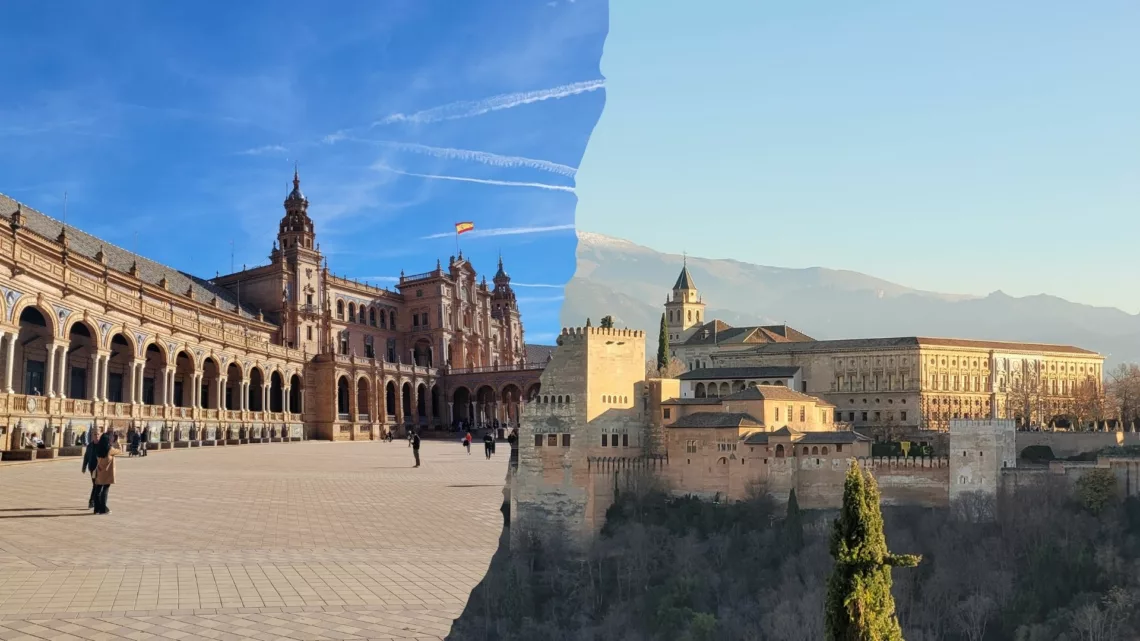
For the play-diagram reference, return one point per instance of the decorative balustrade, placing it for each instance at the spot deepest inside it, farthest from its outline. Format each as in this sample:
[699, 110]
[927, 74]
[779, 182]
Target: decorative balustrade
[511, 367]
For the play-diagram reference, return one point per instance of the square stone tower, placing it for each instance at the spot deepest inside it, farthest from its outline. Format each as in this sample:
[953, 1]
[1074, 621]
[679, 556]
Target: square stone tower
[979, 450]
[587, 418]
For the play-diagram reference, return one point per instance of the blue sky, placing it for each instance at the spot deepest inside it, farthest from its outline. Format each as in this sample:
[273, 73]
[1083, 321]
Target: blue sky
[962, 146]
[174, 128]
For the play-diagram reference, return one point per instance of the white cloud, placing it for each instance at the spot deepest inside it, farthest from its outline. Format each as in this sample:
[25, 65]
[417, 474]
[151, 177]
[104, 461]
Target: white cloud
[266, 149]
[481, 181]
[545, 285]
[505, 231]
[540, 299]
[471, 108]
[484, 157]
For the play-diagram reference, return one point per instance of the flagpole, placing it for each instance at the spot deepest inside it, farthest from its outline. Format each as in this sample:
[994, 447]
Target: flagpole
[457, 241]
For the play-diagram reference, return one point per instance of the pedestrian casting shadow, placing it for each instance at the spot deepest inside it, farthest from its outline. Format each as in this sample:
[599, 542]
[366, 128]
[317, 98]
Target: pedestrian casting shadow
[39, 509]
[43, 516]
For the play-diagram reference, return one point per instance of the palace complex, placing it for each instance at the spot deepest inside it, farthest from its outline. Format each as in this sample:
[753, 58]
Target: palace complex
[598, 422]
[91, 334]
[906, 382]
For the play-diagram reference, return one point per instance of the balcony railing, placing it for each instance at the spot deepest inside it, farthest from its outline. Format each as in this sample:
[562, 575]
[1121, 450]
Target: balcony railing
[513, 367]
[388, 366]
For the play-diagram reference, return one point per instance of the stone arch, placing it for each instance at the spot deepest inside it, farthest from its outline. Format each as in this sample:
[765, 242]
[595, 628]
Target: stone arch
[406, 400]
[435, 400]
[363, 397]
[391, 319]
[339, 309]
[352, 312]
[533, 391]
[461, 404]
[28, 302]
[699, 391]
[155, 362]
[235, 379]
[254, 389]
[484, 405]
[372, 316]
[422, 352]
[120, 360]
[780, 451]
[511, 397]
[211, 373]
[82, 346]
[421, 401]
[296, 401]
[276, 391]
[390, 398]
[185, 374]
[342, 397]
[724, 390]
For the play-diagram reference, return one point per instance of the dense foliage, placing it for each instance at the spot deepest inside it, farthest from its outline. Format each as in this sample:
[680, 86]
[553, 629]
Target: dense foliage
[859, 602]
[663, 345]
[667, 569]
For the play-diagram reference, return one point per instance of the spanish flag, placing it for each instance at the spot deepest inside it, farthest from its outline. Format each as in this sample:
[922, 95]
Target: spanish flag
[461, 228]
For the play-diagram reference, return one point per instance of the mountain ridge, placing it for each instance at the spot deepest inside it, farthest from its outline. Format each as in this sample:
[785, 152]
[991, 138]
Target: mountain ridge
[631, 282]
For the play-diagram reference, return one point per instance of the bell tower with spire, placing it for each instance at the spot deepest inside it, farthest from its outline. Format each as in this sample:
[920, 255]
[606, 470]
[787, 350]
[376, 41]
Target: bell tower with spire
[684, 311]
[505, 308]
[298, 256]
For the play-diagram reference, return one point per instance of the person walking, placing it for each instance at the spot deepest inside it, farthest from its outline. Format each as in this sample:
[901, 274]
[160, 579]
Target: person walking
[415, 443]
[90, 460]
[144, 441]
[488, 444]
[105, 469]
[467, 443]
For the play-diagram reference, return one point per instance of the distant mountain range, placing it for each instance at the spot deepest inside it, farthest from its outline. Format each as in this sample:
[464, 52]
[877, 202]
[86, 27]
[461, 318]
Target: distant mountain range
[630, 283]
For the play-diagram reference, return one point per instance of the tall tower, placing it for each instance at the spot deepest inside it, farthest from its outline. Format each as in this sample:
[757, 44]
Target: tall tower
[299, 259]
[505, 308]
[684, 311]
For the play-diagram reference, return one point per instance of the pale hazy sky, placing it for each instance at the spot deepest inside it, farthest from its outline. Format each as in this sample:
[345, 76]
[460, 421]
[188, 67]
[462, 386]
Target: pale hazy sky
[961, 146]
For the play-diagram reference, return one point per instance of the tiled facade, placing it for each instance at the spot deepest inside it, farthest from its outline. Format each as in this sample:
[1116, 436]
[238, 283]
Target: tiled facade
[91, 334]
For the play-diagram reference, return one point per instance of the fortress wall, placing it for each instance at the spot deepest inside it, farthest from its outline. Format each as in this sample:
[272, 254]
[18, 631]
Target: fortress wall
[1066, 444]
[921, 481]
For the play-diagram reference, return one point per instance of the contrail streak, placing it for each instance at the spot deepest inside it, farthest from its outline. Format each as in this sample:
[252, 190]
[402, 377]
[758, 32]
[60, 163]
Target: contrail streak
[480, 181]
[471, 108]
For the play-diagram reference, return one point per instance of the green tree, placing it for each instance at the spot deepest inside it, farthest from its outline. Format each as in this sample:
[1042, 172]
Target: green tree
[663, 345]
[794, 524]
[1096, 489]
[607, 322]
[859, 604]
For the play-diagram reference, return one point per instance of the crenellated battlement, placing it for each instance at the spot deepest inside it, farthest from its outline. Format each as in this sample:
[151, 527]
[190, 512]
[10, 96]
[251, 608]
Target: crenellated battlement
[904, 462]
[610, 463]
[562, 407]
[572, 335]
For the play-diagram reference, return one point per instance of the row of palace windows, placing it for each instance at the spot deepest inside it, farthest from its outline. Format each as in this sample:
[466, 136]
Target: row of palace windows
[554, 399]
[387, 318]
[369, 347]
[611, 440]
[878, 416]
[866, 362]
[551, 440]
[889, 382]
[609, 399]
[691, 447]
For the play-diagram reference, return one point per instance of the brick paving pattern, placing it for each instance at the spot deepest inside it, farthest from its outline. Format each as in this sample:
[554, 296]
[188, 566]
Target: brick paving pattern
[303, 541]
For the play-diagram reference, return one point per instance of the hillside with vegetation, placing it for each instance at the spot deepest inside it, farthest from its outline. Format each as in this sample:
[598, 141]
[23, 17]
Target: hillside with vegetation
[1055, 565]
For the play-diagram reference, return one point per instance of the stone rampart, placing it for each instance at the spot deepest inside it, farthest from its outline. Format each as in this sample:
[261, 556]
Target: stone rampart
[1066, 444]
[923, 481]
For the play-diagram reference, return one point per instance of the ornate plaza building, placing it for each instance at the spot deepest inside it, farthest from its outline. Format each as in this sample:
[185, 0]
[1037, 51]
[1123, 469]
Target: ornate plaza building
[91, 334]
[905, 382]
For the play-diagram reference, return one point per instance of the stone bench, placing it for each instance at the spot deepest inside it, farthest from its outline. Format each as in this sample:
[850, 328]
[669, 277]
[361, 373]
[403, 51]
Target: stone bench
[18, 455]
[233, 441]
[72, 450]
[181, 444]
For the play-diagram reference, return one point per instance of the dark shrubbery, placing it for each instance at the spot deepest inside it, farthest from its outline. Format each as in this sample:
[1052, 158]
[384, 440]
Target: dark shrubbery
[684, 569]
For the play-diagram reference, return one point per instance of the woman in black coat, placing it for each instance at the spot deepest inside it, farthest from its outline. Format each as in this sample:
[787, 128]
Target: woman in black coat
[90, 460]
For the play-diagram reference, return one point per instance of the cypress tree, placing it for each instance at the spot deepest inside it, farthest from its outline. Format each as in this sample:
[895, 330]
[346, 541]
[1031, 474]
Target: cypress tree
[663, 346]
[859, 603]
[588, 322]
[794, 524]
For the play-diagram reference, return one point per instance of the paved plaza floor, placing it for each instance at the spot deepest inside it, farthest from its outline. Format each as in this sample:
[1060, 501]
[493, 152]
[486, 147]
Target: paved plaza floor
[272, 541]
